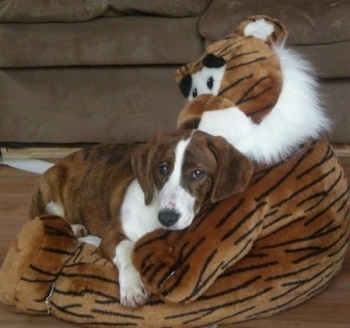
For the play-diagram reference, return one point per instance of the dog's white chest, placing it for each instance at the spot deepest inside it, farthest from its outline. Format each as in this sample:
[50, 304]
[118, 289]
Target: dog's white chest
[137, 219]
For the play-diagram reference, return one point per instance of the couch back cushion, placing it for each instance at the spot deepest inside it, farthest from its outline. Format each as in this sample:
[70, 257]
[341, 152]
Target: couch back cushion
[80, 10]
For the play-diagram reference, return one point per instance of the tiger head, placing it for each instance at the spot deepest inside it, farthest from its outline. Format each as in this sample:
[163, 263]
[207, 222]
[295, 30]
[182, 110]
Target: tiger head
[255, 92]
[240, 70]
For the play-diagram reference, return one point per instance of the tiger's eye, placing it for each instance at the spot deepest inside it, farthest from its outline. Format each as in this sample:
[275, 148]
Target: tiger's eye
[194, 93]
[210, 83]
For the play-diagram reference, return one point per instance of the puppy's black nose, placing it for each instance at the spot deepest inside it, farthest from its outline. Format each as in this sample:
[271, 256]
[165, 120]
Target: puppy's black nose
[168, 218]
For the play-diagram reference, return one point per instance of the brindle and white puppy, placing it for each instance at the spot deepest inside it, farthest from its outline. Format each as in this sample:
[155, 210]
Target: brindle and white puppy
[120, 192]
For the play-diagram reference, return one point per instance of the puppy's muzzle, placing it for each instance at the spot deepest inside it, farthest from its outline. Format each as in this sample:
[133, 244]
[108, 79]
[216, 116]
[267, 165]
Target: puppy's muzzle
[168, 217]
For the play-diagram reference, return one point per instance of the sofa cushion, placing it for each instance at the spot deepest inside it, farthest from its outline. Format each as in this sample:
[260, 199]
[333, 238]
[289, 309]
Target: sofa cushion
[309, 22]
[328, 60]
[81, 10]
[171, 8]
[87, 104]
[127, 40]
[50, 11]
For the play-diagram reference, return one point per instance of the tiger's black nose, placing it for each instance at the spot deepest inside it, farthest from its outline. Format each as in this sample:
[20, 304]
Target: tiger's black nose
[168, 218]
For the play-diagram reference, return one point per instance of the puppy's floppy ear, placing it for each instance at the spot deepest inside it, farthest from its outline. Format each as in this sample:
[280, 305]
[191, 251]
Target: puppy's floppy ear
[234, 169]
[141, 162]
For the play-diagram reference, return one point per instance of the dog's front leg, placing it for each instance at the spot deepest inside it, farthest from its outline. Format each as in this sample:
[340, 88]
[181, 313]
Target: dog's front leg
[132, 291]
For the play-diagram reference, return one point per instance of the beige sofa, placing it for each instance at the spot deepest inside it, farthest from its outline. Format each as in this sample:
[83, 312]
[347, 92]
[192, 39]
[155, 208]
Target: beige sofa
[103, 70]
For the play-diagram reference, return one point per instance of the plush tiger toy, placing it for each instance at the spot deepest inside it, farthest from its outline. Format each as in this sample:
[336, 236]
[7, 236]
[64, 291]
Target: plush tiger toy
[273, 246]
[253, 91]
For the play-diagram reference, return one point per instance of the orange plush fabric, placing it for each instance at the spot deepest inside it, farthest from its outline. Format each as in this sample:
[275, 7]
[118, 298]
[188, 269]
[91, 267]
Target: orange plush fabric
[273, 246]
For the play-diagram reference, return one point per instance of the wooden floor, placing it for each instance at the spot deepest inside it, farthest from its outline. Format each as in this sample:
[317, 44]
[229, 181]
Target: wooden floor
[330, 309]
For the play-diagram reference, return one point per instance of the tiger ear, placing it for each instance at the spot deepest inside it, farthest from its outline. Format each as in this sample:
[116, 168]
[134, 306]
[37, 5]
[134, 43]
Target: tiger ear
[265, 28]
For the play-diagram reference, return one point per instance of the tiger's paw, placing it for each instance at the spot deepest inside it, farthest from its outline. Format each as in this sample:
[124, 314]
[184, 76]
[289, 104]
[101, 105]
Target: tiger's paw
[160, 258]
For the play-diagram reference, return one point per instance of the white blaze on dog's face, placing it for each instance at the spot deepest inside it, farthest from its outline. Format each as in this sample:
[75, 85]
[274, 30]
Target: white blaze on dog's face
[175, 203]
[188, 168]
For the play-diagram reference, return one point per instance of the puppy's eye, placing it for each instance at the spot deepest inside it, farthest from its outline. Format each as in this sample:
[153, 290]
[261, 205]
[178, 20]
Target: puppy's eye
[164, 169]
[210, 83]
[197, 175]
[194, 93]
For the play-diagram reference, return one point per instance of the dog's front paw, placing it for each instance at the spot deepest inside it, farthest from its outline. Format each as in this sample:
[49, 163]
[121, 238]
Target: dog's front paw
[91, 240]
[132, 291]
[133, 294]
[79, 230]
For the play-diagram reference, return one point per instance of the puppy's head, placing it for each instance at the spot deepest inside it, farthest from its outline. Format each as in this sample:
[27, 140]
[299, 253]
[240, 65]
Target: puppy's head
[187, 169]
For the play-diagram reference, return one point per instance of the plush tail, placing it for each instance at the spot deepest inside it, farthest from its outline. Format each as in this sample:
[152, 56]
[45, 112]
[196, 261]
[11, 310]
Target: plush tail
[30, 165]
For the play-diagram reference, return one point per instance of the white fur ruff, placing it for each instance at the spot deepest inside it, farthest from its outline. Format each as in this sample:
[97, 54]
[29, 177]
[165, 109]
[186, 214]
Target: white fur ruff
[297, 116]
